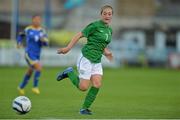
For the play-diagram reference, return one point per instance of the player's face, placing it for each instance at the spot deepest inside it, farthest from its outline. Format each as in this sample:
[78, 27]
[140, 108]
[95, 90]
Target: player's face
[36, 21]
[106, 15]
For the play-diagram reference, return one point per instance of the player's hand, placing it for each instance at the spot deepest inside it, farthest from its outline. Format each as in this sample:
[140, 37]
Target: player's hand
[43, 39]
[19, 46]
[109, 56]
[63, 50]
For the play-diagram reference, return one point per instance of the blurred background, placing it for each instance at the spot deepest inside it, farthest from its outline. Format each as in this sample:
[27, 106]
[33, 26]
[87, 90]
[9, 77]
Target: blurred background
[146, 33]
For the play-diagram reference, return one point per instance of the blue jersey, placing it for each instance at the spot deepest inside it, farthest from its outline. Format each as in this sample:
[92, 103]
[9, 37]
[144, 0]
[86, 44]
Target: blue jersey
[35, 39]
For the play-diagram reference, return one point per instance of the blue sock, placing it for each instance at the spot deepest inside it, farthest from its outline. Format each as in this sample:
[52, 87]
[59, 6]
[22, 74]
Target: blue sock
[25, 81]
[36, 78]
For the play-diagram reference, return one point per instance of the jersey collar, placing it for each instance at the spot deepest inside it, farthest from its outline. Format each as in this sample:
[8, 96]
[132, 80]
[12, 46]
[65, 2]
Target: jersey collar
[32, 27]
[102, 23]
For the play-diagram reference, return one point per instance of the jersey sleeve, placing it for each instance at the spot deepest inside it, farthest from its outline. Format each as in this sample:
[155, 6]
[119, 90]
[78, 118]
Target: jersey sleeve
[44, 36]
[20, 37]
[88, 30]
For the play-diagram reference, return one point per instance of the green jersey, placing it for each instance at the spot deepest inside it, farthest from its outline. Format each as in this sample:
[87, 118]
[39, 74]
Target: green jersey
[98, 36]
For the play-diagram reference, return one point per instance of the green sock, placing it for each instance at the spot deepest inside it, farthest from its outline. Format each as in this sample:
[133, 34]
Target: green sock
[91, 96]
[74, 78]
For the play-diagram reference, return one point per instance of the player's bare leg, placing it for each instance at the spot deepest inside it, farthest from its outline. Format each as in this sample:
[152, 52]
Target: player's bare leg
[84, 84]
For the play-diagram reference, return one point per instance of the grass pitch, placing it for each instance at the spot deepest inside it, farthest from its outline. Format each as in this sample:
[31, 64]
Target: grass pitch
[126, 93]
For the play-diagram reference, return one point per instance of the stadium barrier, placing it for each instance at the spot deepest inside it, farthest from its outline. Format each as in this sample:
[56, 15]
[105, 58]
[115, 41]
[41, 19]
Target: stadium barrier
[49, 57]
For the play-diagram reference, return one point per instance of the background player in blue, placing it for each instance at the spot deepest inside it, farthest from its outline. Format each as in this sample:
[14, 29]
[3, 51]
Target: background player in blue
[36, 37]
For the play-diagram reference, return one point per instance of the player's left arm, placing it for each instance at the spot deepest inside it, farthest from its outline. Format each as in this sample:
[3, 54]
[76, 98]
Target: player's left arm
[44, 38]
[108, 54]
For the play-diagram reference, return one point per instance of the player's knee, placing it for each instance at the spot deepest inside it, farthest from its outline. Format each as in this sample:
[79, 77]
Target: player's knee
[83, 87]
[97, 84]
[40, 68]
[37, 66]
[29, 72]
[96, 81]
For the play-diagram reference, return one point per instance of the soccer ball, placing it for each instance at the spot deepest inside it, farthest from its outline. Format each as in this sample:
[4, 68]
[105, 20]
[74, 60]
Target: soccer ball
[21, 105]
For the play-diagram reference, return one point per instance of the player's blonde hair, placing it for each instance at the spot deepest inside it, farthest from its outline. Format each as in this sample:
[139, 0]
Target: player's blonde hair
[106, 6]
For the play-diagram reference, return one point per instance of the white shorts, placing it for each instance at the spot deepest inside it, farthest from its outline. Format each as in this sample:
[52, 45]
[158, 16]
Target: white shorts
[86, 68]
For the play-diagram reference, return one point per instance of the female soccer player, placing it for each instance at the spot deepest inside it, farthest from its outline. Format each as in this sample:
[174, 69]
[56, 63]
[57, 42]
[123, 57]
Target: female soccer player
[36, 37]
[89, 66]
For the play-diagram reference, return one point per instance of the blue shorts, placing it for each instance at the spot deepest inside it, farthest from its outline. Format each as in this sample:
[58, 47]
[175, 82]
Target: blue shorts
[31, 59]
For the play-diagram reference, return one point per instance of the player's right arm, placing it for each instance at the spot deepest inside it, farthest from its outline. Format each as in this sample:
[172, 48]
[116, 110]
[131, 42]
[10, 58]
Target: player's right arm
[20, 38]
[88, 30]
[74, 40]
